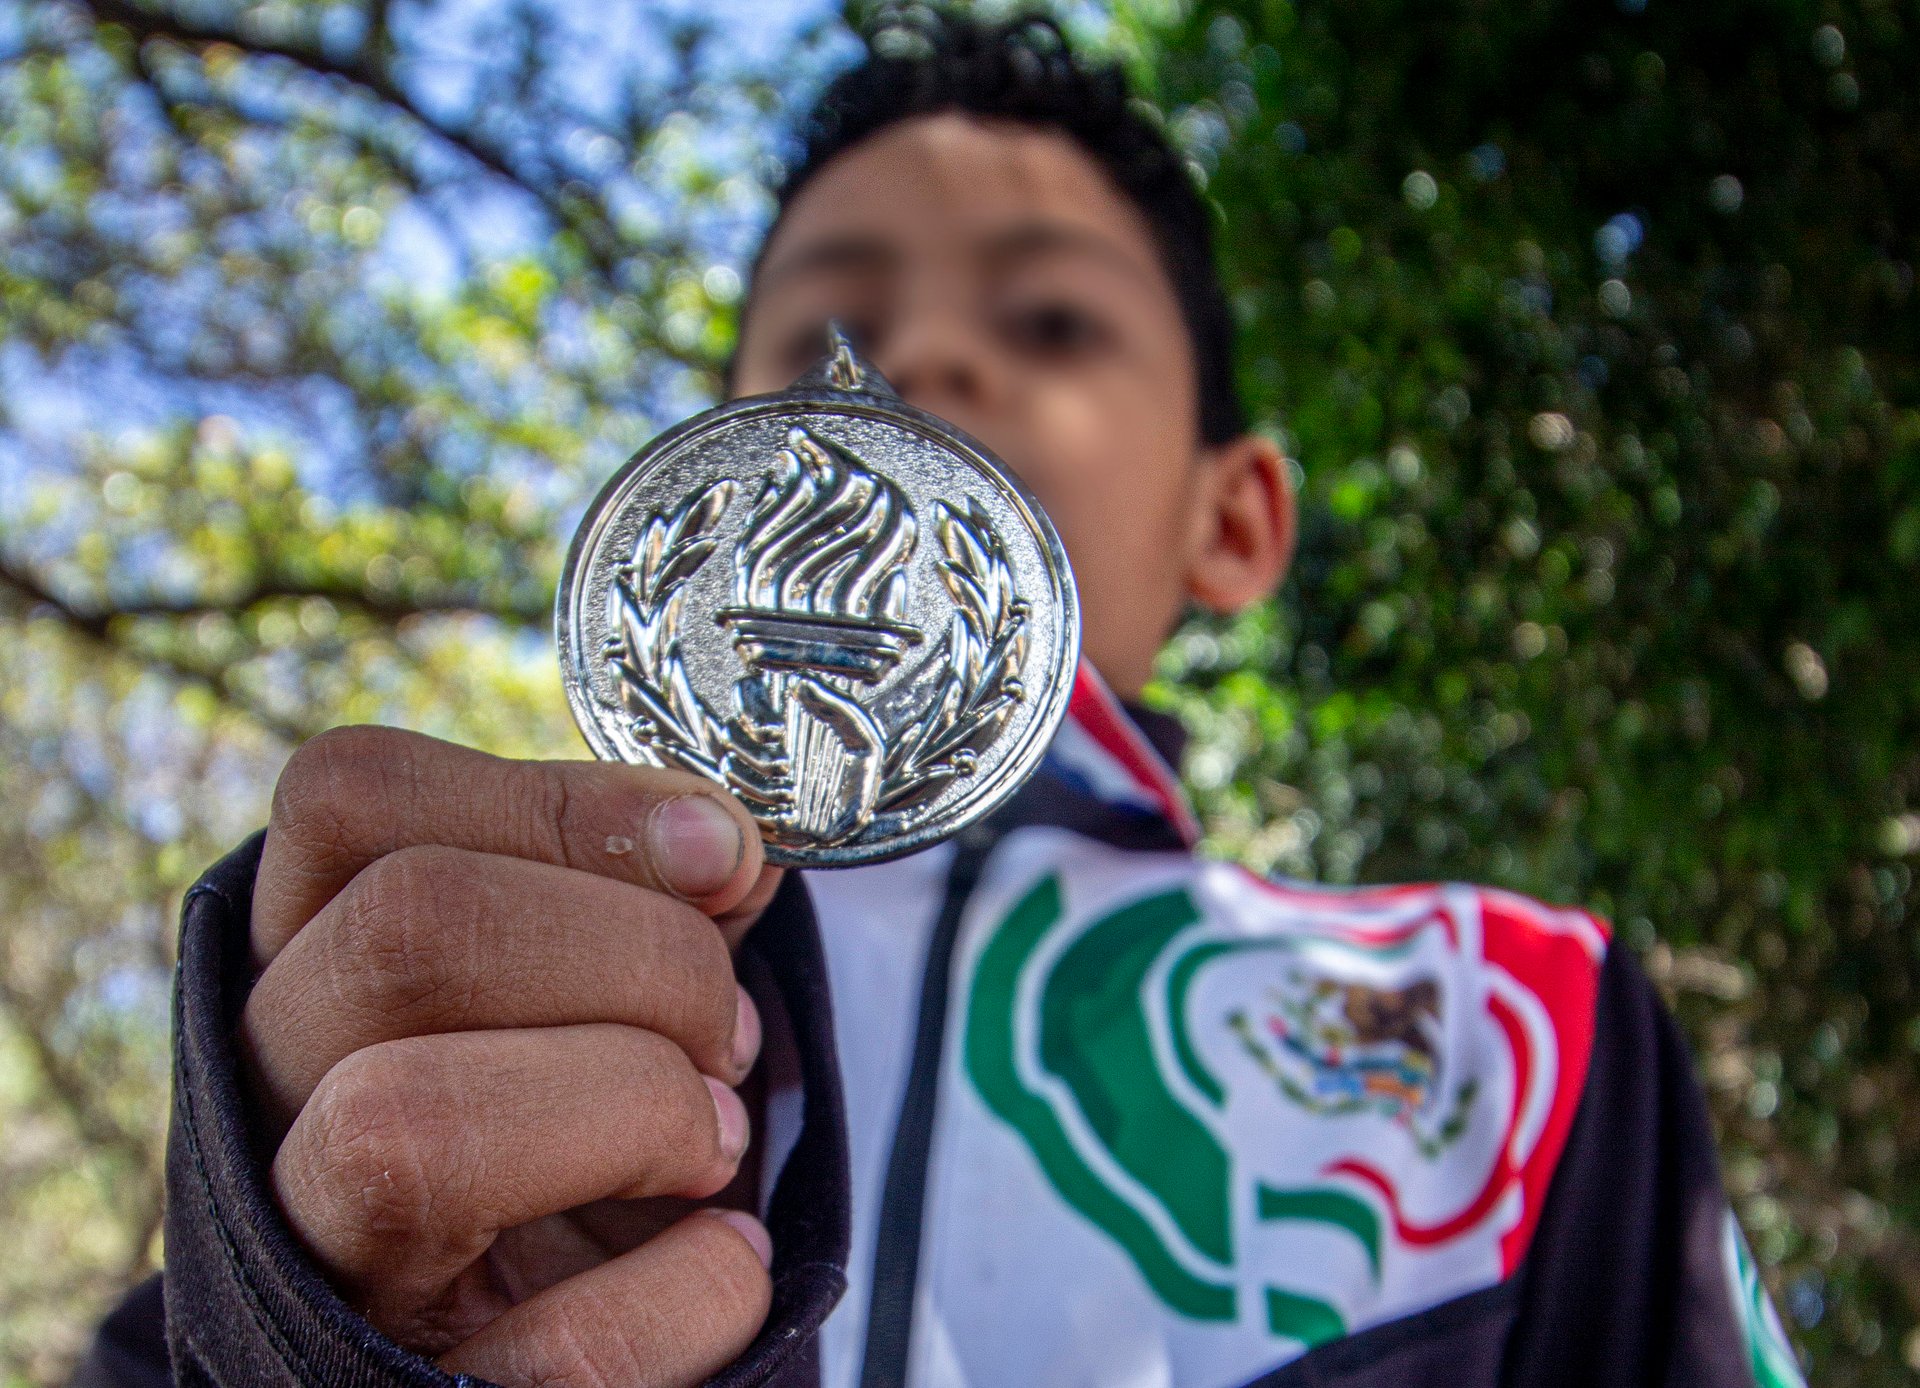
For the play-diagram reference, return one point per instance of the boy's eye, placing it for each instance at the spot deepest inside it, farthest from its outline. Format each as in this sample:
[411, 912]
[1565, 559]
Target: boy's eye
[1053, 329]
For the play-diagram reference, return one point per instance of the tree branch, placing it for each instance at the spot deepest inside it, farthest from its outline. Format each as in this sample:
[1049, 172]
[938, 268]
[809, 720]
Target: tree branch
[97, 622]
[98, 627]
[367, 142]
[341, 595]
[602, 247]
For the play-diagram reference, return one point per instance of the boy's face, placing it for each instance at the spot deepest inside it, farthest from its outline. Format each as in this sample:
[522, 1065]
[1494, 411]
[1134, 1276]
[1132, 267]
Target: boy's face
[999, 280]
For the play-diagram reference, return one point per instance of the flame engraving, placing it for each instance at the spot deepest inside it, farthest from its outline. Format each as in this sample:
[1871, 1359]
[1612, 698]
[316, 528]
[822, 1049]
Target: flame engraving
[826, 536]
[819, 621]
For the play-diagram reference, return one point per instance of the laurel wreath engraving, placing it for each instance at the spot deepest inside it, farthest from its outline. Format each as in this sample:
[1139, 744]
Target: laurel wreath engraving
[974, 680]
[979, 682]
[646, 654]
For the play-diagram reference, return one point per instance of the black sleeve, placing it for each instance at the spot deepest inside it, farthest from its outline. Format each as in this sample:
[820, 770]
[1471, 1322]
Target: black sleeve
[244, 1307]
[1628, 1279]
[130, 1348]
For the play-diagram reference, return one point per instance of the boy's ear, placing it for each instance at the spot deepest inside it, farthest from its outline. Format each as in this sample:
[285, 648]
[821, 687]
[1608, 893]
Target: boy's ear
[1243, 524]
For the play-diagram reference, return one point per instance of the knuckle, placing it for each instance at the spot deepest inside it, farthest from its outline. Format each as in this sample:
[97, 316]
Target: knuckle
[587, 1349]
[367, 1154]
[554, 810]
[405, 935]
[546, 811]
[652, 1059]
[328, 785]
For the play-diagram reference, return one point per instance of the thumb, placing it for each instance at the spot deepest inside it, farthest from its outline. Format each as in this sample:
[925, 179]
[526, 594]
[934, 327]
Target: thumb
[735, 924]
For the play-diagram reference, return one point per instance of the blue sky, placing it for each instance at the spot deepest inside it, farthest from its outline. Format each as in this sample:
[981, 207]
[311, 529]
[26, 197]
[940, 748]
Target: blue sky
[110, 392]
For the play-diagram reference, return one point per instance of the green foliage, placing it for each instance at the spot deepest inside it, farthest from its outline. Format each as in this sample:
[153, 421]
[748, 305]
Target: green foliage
[1595, 334]
[318, 323]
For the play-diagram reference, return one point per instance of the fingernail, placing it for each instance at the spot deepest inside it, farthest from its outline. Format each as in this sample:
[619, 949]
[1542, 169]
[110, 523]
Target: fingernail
[753, 1231]
[733, 1119]
[695, 845]
[746, 1033]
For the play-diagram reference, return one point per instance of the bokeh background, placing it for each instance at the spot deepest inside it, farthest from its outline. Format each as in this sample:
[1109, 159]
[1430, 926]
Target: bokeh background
[1592, 327]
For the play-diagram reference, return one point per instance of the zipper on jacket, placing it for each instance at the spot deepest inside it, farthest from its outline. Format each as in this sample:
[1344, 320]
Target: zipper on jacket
[896, 1253]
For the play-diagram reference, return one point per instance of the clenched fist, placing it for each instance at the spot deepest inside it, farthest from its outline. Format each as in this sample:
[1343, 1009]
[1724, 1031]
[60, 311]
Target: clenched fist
[492, 1046]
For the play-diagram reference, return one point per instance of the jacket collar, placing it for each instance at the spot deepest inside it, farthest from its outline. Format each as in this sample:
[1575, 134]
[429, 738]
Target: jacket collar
[1110, 764]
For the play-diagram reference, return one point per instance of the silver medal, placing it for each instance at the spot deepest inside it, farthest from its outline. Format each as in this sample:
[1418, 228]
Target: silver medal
[839, 607]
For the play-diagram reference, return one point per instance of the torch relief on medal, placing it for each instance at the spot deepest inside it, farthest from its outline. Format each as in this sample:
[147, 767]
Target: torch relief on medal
[835, 607]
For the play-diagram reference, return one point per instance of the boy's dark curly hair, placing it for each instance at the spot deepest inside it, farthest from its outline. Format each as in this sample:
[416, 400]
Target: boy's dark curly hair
[921, 60]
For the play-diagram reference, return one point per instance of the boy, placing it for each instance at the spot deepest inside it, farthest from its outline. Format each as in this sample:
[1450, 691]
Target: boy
[465, 1081]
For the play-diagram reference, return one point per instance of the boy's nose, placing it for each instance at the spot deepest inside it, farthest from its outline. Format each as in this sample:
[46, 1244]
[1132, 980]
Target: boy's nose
[944, 367]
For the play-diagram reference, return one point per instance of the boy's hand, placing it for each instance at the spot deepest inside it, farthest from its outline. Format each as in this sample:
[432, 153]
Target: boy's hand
[494, 1011]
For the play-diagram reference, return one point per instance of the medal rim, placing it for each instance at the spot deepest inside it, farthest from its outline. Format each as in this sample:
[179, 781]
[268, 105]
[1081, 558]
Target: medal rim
[886, 407]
